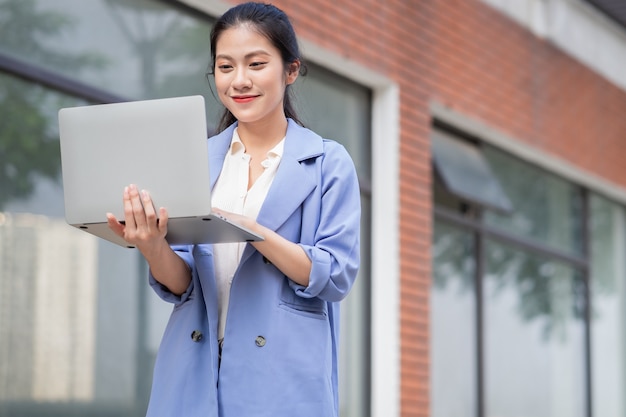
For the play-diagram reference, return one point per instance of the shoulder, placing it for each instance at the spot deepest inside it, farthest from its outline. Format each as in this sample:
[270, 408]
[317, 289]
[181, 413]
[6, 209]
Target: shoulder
[222, 139]
[333, 148]
[303, 143]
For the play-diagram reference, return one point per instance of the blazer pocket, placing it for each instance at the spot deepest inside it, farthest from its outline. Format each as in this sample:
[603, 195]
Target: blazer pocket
[313, 310]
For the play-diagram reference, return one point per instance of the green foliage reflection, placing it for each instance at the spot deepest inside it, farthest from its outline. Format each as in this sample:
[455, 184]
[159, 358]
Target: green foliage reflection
[27, 148]
[546, 291]
[26, 32]
[29, 144]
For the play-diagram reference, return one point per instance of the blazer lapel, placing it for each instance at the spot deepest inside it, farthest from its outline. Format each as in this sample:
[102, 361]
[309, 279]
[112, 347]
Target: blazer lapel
[293, 182]
[218, 146]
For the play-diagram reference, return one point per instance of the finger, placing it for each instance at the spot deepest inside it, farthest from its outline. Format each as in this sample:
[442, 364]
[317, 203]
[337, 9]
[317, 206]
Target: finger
[137, 207]
[115, 225]
[149, 210]
[217, 211]
[129, 217]
[163, 218]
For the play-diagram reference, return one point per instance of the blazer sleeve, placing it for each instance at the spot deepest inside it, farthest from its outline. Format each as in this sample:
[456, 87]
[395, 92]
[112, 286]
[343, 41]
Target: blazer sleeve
[335, 253]
[185, 252]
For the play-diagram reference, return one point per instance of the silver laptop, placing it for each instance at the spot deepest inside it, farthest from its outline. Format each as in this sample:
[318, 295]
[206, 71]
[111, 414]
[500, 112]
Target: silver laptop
[159, 145]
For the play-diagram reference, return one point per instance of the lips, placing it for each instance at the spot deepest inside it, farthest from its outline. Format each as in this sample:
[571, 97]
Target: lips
[243, 99]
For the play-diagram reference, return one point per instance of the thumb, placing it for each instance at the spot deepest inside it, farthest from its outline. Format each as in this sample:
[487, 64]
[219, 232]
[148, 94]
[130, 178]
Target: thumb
[115, 225]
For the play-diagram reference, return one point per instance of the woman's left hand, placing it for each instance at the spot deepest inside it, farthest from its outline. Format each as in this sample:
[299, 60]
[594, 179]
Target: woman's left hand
[285, 255]
[239, 219]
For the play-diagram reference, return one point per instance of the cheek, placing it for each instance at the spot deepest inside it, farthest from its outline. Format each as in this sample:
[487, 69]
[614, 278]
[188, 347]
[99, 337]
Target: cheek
[221, 83]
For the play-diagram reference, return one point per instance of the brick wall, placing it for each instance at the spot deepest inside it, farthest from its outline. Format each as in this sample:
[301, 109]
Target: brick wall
[468, 56]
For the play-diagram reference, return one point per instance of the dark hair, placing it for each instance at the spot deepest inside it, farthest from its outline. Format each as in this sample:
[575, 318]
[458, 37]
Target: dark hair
[270, 22]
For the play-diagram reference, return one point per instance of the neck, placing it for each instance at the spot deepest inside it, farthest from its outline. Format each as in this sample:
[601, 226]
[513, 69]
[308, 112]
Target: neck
[263, 134]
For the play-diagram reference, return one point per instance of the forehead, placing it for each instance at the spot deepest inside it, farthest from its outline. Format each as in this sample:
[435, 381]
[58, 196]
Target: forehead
[242, 39]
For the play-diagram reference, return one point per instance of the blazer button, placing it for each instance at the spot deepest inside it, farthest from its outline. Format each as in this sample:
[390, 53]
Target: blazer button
[196, 335]
[260, 341]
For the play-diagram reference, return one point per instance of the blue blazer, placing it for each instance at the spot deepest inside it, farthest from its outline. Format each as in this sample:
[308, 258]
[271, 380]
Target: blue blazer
[280, 348]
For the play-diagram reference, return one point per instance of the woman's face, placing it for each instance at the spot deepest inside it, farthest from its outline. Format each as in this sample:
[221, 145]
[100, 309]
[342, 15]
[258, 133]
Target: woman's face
[250, 76]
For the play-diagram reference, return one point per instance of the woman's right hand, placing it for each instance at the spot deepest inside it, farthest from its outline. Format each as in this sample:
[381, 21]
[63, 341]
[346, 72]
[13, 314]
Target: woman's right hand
[145, 230]
[142, 227]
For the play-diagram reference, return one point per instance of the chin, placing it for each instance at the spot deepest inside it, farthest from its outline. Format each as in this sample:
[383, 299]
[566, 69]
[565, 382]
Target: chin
[247, 118]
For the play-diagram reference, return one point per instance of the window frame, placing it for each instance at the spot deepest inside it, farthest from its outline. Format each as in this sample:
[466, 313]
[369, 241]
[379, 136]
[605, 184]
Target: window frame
[470, 219]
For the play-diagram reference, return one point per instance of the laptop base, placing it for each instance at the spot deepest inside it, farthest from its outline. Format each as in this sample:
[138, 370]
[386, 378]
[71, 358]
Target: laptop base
[184, 231]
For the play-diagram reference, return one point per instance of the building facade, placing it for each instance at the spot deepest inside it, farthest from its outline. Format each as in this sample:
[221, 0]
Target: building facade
[489, 140]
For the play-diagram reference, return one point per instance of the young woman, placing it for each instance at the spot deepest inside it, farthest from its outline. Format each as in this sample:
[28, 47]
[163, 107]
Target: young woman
[254, 329]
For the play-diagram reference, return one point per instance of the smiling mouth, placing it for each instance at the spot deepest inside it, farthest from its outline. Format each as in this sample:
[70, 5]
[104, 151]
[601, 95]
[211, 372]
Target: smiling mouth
[243, 99]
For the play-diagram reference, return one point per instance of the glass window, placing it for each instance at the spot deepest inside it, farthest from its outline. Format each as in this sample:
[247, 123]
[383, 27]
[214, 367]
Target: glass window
[354, 338]
[67, 334]
[549, 343]
[608, 304]
[463, 170]
[137, 49]
[612, 9]
[339, 109]
[546, 208]
[453, 324]
[534, 336]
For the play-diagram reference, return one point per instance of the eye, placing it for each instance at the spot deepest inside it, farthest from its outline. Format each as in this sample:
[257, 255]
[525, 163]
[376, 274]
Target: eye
[225, 67]
[258, 64]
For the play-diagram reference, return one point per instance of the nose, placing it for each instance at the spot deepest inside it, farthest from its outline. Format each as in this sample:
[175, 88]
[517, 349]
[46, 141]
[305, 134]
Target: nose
[241, 80]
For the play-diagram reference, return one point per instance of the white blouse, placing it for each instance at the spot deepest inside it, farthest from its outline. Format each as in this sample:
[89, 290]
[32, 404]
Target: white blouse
[231, 194]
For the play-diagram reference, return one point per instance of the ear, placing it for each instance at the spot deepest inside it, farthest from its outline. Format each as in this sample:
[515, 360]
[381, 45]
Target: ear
[293, 70]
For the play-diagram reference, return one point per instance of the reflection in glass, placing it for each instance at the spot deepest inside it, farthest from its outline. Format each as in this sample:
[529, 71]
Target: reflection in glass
[608, 302]
[338, 109]
[534, 336]
[462, 169]
[453, 324]
[354, 337]
[29, 144]
[47, 315]
[68, 335]
[137, 49]
[546, 208]
[29, 33]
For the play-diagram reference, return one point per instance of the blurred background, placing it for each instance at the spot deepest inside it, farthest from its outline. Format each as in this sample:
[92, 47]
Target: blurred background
[489, 137]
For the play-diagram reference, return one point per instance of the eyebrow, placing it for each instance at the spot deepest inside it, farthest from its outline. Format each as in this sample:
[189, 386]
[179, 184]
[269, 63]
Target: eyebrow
[247, 56]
